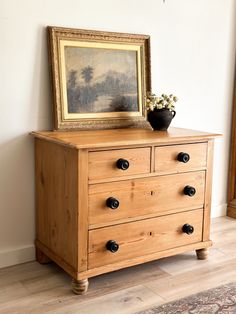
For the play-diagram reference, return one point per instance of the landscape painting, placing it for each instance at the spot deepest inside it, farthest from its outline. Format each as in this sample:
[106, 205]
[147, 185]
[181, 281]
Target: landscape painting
[101, 80]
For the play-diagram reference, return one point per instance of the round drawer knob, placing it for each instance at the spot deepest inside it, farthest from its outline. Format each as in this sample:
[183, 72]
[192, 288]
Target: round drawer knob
[183, 157]
[122, 164]
[188, 229]
[112, 246]
[189, 190]
[112, 203]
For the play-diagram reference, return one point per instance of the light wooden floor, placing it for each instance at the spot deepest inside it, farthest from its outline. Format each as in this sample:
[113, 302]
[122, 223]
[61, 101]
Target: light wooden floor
[35, 288]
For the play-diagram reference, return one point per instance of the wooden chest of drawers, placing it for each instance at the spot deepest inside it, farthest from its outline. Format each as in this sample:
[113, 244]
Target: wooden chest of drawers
[110, 199]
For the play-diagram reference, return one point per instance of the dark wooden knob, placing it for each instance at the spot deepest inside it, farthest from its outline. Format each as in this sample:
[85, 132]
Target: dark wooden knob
[112, 246]
[183, 157]
[188, 229]
[189, 190]
[122, 164]
[112, 203]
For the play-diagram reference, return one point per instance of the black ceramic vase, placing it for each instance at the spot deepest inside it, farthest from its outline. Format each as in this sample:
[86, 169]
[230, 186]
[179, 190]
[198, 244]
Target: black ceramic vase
[160, 119]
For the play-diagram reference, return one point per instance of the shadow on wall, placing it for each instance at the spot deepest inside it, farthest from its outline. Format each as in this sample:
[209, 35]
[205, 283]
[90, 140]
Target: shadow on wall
[40, 102]
[17, 192]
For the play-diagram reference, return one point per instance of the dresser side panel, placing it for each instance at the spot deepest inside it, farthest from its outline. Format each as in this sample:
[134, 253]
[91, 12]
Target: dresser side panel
[83, 210]
[208, 189]
[56, 199]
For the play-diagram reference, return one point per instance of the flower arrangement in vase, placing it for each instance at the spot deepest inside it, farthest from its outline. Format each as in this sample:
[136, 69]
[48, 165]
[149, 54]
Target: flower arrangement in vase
[160, 110]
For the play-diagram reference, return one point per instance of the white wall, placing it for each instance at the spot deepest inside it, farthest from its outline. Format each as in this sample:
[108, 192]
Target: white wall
[193, 55]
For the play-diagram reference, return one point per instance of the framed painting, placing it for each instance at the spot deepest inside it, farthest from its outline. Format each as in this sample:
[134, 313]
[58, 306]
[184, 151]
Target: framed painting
[99, 79]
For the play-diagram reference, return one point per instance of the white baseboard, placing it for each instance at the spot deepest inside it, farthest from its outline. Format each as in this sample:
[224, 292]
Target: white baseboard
[219, 210]
[17, 256]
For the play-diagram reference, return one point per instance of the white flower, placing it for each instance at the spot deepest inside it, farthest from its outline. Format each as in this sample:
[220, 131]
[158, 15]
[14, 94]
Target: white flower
[159, 102]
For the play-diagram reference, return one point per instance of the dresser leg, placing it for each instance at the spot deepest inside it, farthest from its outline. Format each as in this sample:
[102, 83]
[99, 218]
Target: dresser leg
[41, 257]
[202, 253]
[80, 286]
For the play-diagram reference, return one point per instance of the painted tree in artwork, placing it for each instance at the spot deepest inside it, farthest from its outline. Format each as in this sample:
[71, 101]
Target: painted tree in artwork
[87, 74]
[73, 93]
[71, 83]
[88, 93]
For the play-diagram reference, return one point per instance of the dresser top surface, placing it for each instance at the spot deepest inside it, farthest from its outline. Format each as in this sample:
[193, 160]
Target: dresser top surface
[122, 137]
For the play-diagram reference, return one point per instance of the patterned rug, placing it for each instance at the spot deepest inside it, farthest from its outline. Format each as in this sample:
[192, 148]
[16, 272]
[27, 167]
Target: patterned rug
[220, 300]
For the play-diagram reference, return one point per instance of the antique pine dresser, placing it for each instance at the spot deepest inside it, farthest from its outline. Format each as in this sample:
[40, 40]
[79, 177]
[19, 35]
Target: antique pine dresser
[110, 199]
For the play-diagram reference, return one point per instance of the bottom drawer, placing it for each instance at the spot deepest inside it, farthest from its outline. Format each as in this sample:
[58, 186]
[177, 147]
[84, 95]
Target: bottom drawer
[143, 237]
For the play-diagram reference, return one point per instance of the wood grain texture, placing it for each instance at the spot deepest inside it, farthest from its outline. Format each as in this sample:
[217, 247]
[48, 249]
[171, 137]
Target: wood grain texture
[56, 199]
[55, 257]
[82, 230]
[231, 210]
[143, 259]
[41, 257]
[166, 158]
[202, 254]
[135, 176]
[123, 137]
[146, 236]
[36, 289]
[102, 164]
[80, 286]
[145, 196]
[194, 275]
[152, 159]
[76, 173]
[207, 201]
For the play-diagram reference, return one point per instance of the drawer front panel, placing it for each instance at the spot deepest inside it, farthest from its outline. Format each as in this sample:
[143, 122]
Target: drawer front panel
[103, 164]
[143, 237]
[139, 197]
[166, 158]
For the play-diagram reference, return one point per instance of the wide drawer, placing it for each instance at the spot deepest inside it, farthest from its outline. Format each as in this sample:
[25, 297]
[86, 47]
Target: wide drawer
[105, 164]
[180, 158]
[143, 237]
[138, 197]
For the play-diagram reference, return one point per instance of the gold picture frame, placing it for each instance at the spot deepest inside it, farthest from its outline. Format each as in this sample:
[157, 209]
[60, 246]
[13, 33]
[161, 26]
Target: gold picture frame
[99, 79]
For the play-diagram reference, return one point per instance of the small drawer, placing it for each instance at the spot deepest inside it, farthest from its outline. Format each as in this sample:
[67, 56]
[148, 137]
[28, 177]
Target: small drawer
[121, 242]
[138, 197]
[180, 158]
[119, 163]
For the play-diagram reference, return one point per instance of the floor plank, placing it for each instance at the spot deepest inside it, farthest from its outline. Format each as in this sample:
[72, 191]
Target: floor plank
[125, 301]
[194, 281]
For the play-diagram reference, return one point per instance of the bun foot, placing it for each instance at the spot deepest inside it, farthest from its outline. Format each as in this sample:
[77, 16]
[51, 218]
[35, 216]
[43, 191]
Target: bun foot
[41, 257]
[80, 286]
[202, 253]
